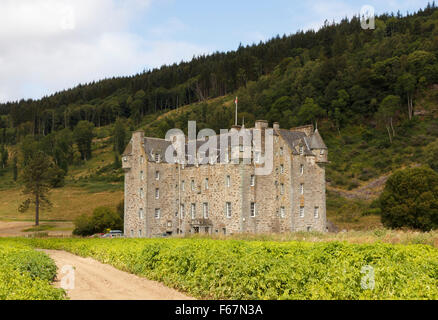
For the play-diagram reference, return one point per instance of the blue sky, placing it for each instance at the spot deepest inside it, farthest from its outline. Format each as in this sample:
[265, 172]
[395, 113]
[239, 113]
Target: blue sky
[50, 45]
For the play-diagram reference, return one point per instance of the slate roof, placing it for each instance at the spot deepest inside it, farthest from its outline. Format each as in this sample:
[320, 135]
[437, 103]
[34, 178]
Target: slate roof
[294, 139]
[316, 141]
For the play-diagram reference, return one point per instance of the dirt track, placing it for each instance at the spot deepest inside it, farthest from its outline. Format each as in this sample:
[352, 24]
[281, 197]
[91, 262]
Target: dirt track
[97, 281]
[15, 228]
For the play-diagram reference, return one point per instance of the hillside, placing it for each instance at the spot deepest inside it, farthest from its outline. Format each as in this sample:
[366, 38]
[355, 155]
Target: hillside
[372, 93]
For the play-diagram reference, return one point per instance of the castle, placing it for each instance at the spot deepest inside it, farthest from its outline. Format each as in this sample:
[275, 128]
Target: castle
[217, 192]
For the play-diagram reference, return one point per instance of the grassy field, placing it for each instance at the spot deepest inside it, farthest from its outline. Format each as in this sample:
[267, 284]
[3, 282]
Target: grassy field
[68, 203]
[240, 269]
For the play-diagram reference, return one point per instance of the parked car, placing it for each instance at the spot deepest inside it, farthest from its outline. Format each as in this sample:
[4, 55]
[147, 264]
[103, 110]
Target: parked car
[113, 234]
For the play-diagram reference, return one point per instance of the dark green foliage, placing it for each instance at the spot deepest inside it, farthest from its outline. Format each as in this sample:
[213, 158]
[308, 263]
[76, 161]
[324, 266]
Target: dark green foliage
[15, 168]
[410, 199]
[4, 156]
[83, 136]
[431, 155]
[37, 177]
[119, 136]
[103, 218]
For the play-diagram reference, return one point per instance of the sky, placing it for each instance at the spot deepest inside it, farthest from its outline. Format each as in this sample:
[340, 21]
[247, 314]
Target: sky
[51, 45]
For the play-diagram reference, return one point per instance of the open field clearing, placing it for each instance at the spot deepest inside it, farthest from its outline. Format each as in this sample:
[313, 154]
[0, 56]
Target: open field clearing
[26, 228]
[68, 203]
[237, 269]
[26, 274]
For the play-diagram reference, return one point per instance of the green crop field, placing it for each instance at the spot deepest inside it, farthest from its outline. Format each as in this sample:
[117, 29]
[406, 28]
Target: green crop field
[26, 274]
[238, 269]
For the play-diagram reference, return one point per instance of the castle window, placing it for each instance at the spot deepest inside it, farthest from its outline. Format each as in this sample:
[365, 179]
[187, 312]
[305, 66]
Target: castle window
[205, 210]
[322, 152]
[316, 213]
[157, 193]
[302, 169]
[228, 209]
[281, 151]
[252, 180]
[141, 214]
[301, 212]
[157, 175]
[301, 150]
[141, 193]
[169, 224]
[193, 185]
[228, 181]
[141, 160]
[182, 211]
[257, 157]
[193, 210]
[253, 209]
[157, 213]
[241, 148]
[282, 212]
[206, 183]
[141, 175]
[157, 157]
[183, 185]
[139, 233]
[281, 168]
[132, 233]
[302, 188]
[282, 188]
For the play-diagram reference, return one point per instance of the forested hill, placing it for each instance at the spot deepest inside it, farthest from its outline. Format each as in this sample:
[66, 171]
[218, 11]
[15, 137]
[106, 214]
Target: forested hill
[341, 73]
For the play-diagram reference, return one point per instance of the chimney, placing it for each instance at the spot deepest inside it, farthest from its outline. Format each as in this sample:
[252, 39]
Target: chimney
[261, 124]
[276, 126]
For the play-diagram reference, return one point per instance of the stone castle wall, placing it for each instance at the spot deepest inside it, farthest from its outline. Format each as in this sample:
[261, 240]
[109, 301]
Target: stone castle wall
[274, 194]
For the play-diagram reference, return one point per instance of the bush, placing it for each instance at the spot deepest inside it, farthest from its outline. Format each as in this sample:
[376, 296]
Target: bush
[103, 218]
[410, 199]
[26, 274]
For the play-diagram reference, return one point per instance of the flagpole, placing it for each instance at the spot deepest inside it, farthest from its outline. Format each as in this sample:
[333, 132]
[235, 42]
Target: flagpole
[236, 110]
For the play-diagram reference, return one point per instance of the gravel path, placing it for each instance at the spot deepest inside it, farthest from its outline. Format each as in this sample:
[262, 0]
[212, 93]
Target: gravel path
[98, 281]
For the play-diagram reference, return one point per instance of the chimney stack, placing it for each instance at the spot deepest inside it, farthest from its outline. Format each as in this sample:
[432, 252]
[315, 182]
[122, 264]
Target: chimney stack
[261, 124]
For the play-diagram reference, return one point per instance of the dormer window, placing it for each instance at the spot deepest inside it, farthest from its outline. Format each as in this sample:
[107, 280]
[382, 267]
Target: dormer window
[301, 150]
[157, 157]
[322, 152]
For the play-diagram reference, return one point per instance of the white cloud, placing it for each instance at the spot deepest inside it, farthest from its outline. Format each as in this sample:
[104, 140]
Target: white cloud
[50, 45]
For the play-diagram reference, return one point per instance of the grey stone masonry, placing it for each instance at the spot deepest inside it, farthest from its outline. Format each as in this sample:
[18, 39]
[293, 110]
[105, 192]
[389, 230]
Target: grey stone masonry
[227, 197]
